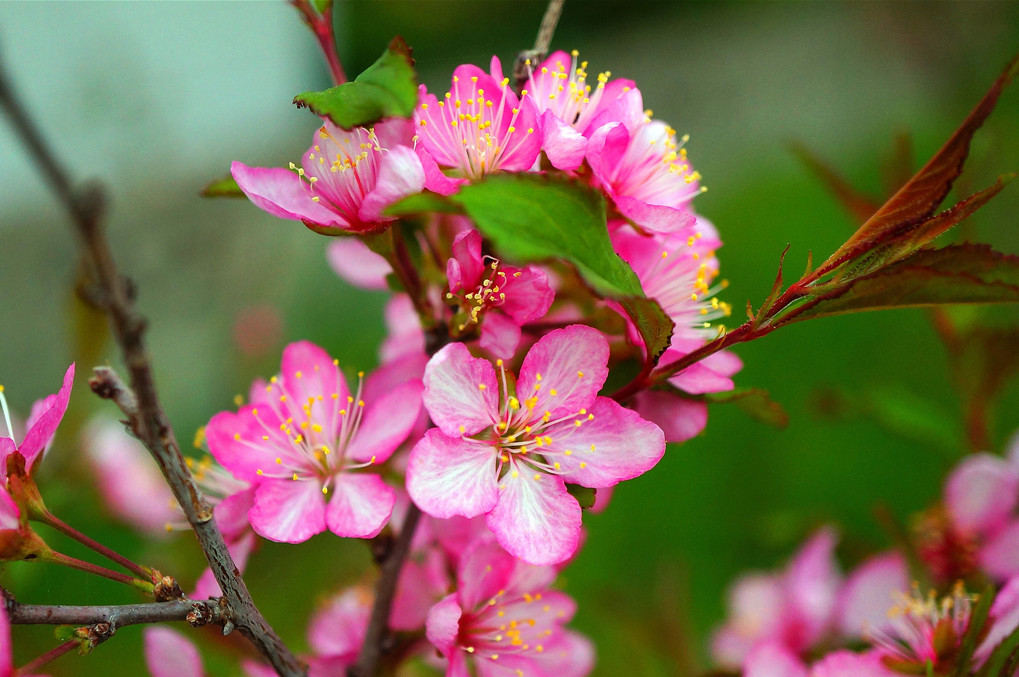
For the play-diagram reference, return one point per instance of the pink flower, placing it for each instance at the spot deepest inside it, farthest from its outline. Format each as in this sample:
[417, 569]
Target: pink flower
[128, 479]
[792, 609]
[337, 630]
[302, 445]
[502, 298]
[508, 453]
[981, 496]
[170, 654]
[867, 594]
[568, 106]
[355, 263]
[345, 181]
[642, 167]
[504, 619]
[477, 128]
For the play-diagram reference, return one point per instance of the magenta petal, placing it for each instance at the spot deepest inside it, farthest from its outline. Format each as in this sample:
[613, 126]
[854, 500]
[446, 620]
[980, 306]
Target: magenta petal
[282, 193]
[564, 370]
[535, 519]
[290, 511]
[443, 624]
[569, 654]
[773, 660]
[680, 419]
[360, 505]
[386, 423]
[422, 582]
[232, 513]
[528, 294]
[47, 414]
[484, 570]
[848, 664]
[812, 581]
[617, 444]
[1005, 619]
[999, 557]
[867, 595]
[400, 175]
[6, 659]
[563, 145]
[449, 476]
[338, 629]
[354, 262]
[169, 654]
[235, 440]
[10, 516]
[435, 180]
[461, 393]
[499, 335]
[307, 372]
[981, 492]
[467, 254]
[698, 379]
[656, 218]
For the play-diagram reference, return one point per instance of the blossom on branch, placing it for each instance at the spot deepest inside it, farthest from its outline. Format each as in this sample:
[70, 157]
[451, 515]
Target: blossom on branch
[345, 181]
[507, 447]
[304, 442]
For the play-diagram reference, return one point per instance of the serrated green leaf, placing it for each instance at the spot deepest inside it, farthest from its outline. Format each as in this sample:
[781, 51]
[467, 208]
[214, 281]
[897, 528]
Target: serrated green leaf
[387, 89]
[974, 632]
[224, 187]
[965, 273]
[585, 496]
[531, 218]
[756, 402]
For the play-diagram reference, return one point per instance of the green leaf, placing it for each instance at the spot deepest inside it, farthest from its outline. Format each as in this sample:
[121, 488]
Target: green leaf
[974, 632]
[224, 187]
[387, 89]
[966, 273]
[322, 6]
[916, 201]
[584, 495]
[756, 402]
[422, 203]
[532, 218]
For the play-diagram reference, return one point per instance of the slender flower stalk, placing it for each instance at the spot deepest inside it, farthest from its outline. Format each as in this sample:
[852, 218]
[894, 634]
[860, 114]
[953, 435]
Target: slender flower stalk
[74, 563]
[52, 520]
[51, 655]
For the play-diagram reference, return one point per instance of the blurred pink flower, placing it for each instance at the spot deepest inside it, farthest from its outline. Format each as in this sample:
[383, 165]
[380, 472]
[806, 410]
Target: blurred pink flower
[345, 181]
[301, 445]
[504, 619]
[508, 454]
[168, 653]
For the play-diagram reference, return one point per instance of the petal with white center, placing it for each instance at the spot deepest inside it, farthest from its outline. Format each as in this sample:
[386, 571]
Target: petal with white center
[563, 372]
[169, 654]
[449, 476]
[461, 393]
[535, 519]
[289, 511]
[282, 193]
[360, 505]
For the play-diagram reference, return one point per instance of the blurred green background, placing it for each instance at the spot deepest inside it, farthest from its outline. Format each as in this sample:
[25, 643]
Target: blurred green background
[157, 98]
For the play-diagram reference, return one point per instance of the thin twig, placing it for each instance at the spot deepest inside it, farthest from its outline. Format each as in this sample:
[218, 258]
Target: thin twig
[195, 613]
[146, 418]
[541, 43]
[322, 26]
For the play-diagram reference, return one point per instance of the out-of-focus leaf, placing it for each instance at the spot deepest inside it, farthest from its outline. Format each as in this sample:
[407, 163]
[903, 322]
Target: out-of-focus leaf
[585, 496]
[858, 204]
[224, 187]
[964, 273]
[974, 631]
[913, 417]
[534, 218]
[322, 6]
[916, 201]
[422, 203]
[755, 401]
[387, 89]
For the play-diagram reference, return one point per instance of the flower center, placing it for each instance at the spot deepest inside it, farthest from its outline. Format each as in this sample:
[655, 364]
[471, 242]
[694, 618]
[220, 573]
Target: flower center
[566, 93]
[489, 293]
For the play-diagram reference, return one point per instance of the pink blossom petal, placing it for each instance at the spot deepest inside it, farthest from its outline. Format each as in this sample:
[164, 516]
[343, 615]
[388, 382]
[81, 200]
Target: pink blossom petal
[403, 328]
[235, 440]
[400, 175]
[679, 418]
[867, 595]
[653, 217]
[484, 570]
[338, 629]
[386, 423]
[569, 654]
[255, 669]
[535, 519]
[757, 611]
[617, 444]
[443, 625]
[448, 476]
[773, 660]
[360, 505]
[435, 180]
[812, 581]
[282, 193]
[981, 492]
[1005, 619]
[528, 294]
[308, 372]
[288, 511]
[355, 263]
[461, 393]
[563, 145]
[606, 147]
[169, 654]
[458, 665]
[6, 646]
[699, 378]
[10, 516]
[467, 257]
[564, 370]
[999, 557]
[232, 513]
[42, 424]
[848, 664]
[423, 581]
[499, 335]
